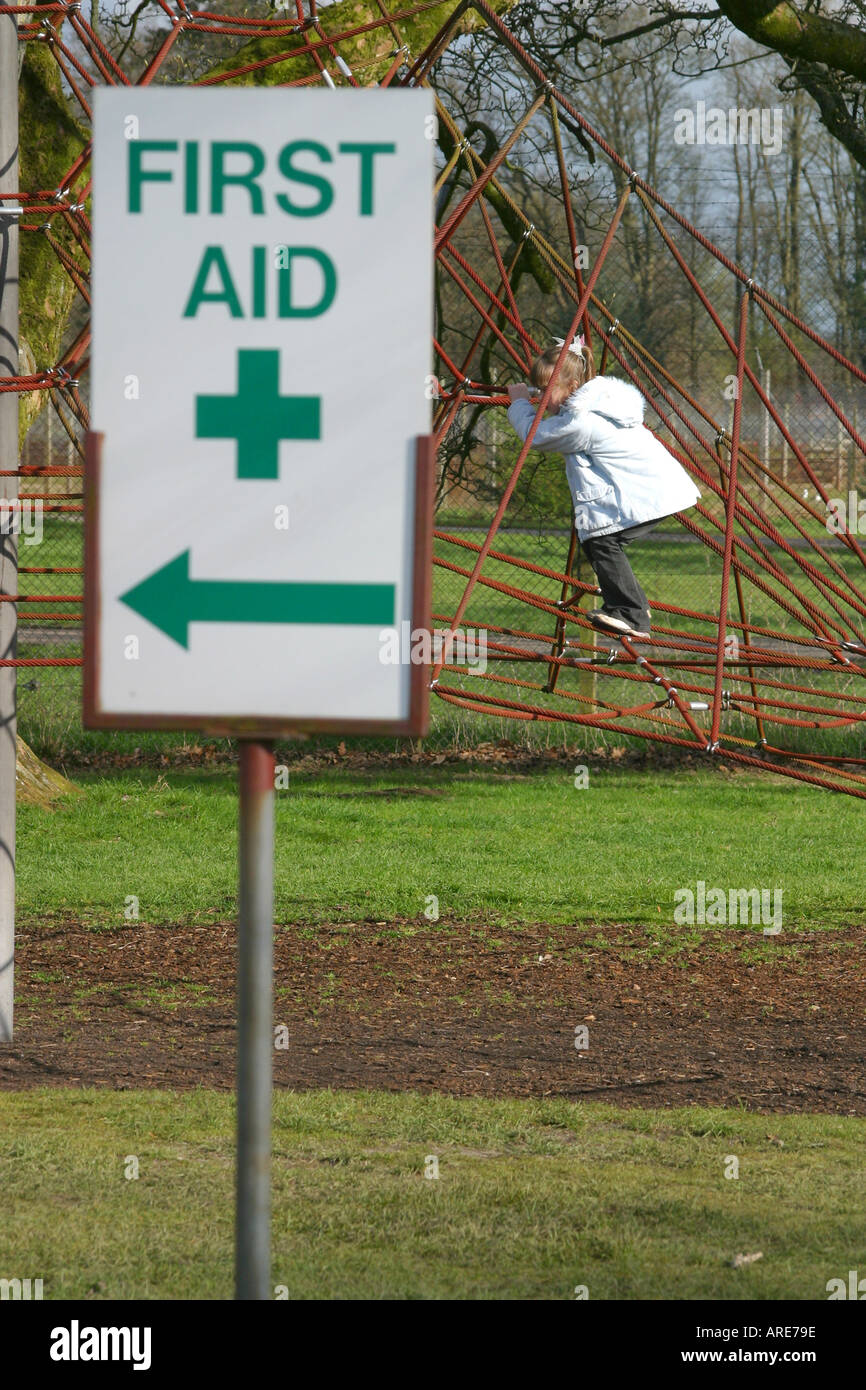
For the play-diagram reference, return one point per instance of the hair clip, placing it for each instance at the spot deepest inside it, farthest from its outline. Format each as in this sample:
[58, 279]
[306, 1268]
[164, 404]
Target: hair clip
[576, 347]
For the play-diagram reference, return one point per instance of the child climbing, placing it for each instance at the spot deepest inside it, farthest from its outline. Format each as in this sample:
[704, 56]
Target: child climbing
[623, 480]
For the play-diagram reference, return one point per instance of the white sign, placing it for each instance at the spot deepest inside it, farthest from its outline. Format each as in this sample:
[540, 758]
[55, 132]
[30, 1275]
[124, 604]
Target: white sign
[262, 312]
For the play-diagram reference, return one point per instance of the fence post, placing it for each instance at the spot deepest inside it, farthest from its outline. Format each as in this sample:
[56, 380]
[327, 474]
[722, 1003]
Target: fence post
[8, 490]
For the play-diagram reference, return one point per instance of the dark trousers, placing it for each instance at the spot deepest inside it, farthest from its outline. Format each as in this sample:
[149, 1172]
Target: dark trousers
[622, 596]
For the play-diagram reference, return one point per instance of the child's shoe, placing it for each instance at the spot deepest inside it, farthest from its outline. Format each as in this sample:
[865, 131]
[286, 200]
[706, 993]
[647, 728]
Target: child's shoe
[607, 623]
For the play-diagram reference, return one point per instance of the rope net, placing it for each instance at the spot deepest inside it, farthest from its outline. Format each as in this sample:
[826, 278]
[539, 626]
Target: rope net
[767, 668]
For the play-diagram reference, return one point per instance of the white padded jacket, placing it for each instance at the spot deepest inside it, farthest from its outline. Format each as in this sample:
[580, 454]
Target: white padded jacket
[619, 474]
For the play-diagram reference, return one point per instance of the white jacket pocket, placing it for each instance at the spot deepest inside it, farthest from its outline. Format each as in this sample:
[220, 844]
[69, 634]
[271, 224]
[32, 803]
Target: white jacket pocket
[591, 492]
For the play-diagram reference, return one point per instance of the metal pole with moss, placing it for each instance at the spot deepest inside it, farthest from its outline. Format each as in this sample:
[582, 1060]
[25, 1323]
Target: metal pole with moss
[8, 495]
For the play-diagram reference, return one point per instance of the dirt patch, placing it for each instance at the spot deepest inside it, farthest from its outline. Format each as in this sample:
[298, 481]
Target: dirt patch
[771, 1023]
[311, 758]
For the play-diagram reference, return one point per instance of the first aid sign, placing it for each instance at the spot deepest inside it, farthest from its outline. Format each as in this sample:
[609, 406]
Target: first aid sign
[258, 501]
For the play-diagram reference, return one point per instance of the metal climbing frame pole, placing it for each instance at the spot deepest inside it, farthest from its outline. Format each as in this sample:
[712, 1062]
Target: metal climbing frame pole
[8, 496]
[255, 1010]
[729, 523]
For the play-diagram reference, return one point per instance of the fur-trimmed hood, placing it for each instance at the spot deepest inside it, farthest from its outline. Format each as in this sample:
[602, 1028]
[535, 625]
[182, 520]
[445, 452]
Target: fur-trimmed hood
[607, 395]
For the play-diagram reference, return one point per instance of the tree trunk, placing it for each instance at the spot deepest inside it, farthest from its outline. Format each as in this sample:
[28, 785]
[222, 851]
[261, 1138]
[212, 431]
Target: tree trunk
[36, 784]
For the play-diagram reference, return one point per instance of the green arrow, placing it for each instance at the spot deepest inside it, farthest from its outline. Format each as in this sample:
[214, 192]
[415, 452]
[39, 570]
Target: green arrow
[170, 600]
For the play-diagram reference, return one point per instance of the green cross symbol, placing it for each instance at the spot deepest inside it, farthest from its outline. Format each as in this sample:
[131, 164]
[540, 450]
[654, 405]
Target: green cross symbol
[258, 417]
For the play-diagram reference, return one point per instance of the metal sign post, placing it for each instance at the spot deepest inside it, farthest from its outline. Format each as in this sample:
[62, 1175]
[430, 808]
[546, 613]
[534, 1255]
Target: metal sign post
[259, 480]
[255, 1019]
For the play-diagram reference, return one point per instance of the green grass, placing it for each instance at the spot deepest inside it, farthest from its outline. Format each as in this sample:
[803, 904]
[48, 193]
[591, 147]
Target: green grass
[498, 846]
[533, 1198]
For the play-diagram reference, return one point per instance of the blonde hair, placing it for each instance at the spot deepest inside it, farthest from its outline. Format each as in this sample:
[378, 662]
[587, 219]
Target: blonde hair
[577, 368]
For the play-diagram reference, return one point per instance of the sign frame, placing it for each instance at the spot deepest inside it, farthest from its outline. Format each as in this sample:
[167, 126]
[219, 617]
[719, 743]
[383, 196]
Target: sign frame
[241, 725]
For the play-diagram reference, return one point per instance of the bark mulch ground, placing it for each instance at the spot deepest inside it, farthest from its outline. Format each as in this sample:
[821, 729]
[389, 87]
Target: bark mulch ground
[462, 1008]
